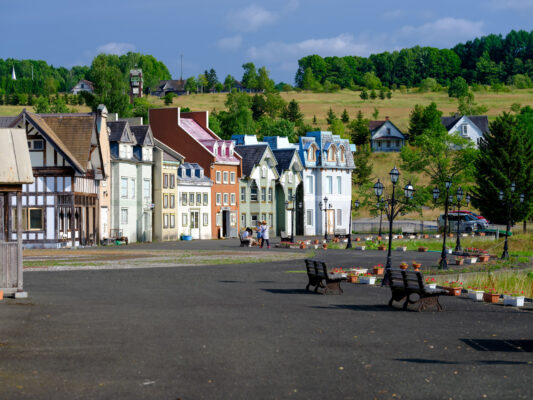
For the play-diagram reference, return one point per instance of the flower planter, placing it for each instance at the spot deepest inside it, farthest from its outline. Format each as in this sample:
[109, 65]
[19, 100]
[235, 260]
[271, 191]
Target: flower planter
[1, 294]
[404, 266]
[303, 246]
[316, 241]
[412, 236]
[402, 248]
[426, 236]
[459, 261]
[453, 291]
[483, 258]
[476, 295]
[325, 246]
[471, 260]
[491, 297]
[368, 280]
[422, 249]
[353, 278]
[379, 238]
[186, 237]
[358, 271]
[400, 236]
[513, 301]
[450, 235]
[416, 266]
[361, 248]
[481, 233]
[357, 239]
[378, 270]
[382, 248]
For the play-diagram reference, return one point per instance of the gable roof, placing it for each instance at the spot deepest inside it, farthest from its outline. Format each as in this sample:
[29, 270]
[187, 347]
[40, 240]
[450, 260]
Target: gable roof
[373, 125]
[168, 153]
[120, 132]
[251, 156]
[5, 122]
[143, 135]
[16, 165]
[284, 158]
[481, 121]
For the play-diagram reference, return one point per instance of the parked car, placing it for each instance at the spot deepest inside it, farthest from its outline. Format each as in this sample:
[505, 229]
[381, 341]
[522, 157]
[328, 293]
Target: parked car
[471, 213]
[467, 222]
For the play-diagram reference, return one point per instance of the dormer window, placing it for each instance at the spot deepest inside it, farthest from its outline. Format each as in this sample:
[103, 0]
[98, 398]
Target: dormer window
[331, 154]
[263, 172]
[341, 153]
[311, 155]
[464, 129]
[388, 131]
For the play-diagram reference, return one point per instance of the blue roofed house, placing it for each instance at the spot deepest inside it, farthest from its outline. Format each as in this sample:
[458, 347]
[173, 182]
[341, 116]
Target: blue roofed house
[385, 136]
[471, 127]
[327, 182]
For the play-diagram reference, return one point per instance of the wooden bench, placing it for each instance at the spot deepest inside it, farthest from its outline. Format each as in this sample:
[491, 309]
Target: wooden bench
[404, 283]
[317, 273]
[341, 233]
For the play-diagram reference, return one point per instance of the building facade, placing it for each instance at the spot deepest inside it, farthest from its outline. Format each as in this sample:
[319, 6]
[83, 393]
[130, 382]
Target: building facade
[257, 186]
[327, 182]
[385, 136]
[165, 177]
[194, 201]
[472, 127]
[190, 134]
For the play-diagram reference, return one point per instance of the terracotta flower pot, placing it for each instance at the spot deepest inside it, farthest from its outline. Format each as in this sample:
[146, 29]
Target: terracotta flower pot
[382, 248]
[379, 238]
[303, 246]
[450, 235]
[454, 291]
[400, 236]
[416, 266]
[324, 246]
[491, 297]
[422, 249]
[353, 278]
[426, 236]
[459, 262]
[483, 258]
[316, 241]
[481, 233]
[378, 270]
[403, 266]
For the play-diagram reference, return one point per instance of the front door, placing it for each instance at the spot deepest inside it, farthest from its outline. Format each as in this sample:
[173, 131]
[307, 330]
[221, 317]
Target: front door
[225, 223]
[195, 225]
[331, 222]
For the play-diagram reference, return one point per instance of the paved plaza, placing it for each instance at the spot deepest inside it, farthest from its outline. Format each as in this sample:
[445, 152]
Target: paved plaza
[251, 331]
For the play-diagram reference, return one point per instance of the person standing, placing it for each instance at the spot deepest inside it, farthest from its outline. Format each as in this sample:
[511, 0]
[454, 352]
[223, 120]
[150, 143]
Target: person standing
[265, 235]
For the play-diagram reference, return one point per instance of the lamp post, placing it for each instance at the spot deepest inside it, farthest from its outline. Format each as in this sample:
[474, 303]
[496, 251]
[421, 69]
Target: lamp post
[380, 206]
[436, 192]
[356, 204]
[291, 199]
[324, 207]
[392, 209]
[509, 203]
[459, 196]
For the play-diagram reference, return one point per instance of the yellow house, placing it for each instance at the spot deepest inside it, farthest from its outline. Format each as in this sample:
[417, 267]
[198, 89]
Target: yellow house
[165, 184]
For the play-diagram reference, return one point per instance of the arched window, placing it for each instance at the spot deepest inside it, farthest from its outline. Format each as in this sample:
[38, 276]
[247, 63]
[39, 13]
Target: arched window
[331, 153]
[342, 155]
[311, 153]
[253, 191]
[263, 172]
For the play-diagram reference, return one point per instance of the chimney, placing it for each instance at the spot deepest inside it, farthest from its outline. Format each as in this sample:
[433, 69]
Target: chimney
[386, 118]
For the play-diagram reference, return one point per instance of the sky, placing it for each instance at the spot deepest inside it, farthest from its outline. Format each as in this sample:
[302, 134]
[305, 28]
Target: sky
[225, 34]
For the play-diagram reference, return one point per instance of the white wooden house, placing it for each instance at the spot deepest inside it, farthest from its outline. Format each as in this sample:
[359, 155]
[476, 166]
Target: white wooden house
[385, 136]
[471, 127]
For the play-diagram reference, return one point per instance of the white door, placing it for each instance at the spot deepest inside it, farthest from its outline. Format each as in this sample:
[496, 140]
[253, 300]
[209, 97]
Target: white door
[331, 221]
[103, 222]
[195, 224]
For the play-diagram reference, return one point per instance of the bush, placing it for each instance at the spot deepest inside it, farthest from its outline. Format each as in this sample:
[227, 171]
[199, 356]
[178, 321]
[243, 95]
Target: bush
[458, 88]
[520, 81]
[428, 85]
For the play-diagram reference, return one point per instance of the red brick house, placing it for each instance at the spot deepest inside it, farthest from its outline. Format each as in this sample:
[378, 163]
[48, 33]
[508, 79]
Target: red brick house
[189, 134]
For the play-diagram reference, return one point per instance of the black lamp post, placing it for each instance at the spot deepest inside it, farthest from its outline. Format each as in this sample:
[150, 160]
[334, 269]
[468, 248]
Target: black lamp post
[436, 193]
[324, 206]
[356, 204]
[291, 199]
[380, 206]
[459, 196]
[392, 208]
[509, 203]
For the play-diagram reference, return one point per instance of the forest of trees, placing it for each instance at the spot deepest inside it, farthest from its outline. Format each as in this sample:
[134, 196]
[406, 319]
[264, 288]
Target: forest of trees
[487, 60]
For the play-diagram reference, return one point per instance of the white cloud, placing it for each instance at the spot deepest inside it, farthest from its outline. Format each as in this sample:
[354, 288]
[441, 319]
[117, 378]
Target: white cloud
[254, 17]
[444, 32]
[115, 48]
[231, 43]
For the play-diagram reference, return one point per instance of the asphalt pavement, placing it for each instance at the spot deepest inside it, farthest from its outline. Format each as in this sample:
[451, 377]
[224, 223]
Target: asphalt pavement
[251, 331]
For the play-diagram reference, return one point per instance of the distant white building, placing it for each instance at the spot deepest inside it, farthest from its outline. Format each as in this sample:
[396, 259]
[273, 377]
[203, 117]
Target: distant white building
[83, 86]
[471, 127]
[385, 136]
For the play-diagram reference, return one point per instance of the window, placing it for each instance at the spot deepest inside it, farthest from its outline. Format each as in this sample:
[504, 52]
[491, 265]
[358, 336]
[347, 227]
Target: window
[123, 216]
[172, 201]
[263, 172]
[165, 181]
[218, 199]
[329, 183]
[290, 176]
[253, 191]
[226, 198]
[339, 185]
[172, 181]
[270, 195]
[309, 217]
[225, 175]
[183, 219]
[35, 219]
[341, 151]
[232, 177]
[233, 218]
[339, 217]
[184, 199]
[218, 177]
[165, 201]
[147, 193]
[388, 131]
[270, 220]
[464, 130]
[205, 217]
[243, 195]
[191, 199]
[172, 220]
[388, 143]
[379, 143]
[165, 220]
[263, 217]
[263, 194]
[243, 220]
[309, 185]
[36, 144]
[122, 151]
[132, 188]
[289, 197]
[124, 188]
[254, 219]
[311, 156]
[233, 198]
[206, 199]
[219, 219]
[331, 154]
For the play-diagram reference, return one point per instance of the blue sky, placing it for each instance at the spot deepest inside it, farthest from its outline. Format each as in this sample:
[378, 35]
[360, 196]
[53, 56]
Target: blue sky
[225, 34]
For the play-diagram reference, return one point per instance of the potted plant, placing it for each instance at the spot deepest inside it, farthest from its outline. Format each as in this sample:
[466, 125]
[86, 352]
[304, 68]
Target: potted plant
[454, 288]
[422, 249]
[379, 238]
[515, 299]
[382, 247]
[316, 241]
[353, 277]
[491, 295]
[404, 265]
[484, 257]
[378, 269]
[367, 279]
[475, 293]
[450, 235]
[459, 260]
[426, 236]
[431, 283]
[357, 239]
[185, 235]
[303, 245]
[325, 246]
[416, 266]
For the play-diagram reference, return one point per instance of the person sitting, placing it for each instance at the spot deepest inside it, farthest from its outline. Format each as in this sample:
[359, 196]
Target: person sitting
[246, 237]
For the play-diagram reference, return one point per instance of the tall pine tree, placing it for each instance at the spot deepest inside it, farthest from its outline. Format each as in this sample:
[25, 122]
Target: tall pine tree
[506, 156]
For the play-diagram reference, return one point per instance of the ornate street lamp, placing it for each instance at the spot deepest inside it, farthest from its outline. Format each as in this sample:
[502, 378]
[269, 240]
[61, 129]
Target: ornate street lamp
[436, 193]
[356, 204]
[509, 204]
[380, 206]
[459, 196]
[292, 210]
[324, 207]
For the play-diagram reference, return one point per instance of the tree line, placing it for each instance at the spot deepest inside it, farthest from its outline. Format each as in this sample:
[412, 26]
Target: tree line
[487, 60]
